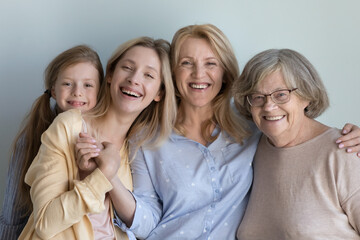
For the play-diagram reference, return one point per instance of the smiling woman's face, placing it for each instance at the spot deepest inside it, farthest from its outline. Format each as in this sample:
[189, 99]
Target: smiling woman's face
[199, 74]
[279, 122]
[136, 80]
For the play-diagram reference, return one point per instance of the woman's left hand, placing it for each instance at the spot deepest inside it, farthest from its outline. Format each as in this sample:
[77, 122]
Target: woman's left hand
[350, 139]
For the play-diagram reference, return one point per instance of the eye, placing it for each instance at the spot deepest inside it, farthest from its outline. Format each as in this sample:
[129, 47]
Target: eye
[211, 63]
[148, 75]
[88, 85]
[126, 67]
[257, 96]
[186, 63]
[281, 95]
[66, 84]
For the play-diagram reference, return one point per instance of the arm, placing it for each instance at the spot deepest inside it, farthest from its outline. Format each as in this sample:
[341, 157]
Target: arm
[108, 160]
[348, 186]
[350, 139]
[13, 217]
[59, 201]
[148, 205]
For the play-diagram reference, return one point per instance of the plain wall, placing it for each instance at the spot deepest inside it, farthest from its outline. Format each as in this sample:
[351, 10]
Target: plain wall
[32, 33]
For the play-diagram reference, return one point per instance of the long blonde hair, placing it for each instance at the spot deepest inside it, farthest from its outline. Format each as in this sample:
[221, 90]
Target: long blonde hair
[224, 115]
[41, 115]
[154, 124]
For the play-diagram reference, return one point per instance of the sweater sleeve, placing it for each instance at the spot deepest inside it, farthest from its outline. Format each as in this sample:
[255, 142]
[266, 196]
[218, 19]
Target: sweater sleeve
[13, 217]
[148, 209]
[348, 185]
[59, 200]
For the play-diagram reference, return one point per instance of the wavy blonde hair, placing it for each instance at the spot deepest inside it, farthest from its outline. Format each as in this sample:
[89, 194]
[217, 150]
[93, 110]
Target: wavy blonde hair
[224, 115]
[154, 124]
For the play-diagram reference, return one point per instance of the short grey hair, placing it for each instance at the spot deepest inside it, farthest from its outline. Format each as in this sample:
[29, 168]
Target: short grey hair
[297, 71]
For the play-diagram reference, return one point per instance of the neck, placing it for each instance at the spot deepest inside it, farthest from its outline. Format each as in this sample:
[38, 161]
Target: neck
[309, 129]
[192, 120]
[113, 127]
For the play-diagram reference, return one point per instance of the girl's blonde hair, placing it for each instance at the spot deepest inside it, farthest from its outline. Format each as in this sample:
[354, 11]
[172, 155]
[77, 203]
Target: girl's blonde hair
[154, 124]
[27, 143]
[224, 115]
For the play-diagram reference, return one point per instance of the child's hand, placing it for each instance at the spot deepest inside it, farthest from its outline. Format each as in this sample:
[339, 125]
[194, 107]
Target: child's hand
[86, 150]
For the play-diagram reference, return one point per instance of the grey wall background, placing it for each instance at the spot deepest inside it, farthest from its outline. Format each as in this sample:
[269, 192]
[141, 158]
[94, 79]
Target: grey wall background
[32, 33]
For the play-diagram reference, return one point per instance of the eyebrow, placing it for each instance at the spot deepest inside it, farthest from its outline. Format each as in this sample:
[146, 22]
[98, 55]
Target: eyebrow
[274, 90]
[207, 58]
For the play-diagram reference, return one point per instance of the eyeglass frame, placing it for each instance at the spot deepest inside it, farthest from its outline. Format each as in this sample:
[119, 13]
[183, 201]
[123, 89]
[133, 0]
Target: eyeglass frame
[271, 96]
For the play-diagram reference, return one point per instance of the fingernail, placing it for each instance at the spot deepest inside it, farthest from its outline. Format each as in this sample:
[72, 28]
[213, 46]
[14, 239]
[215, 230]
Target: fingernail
[349, 150]
[338, 141]
[93, 140]
[358, 154]
[344, 131]
[341, 145]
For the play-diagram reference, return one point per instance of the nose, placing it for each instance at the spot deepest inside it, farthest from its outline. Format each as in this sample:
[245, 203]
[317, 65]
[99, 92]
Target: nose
[77, 90]
[134, 78]
[198, 71]
[269, 104]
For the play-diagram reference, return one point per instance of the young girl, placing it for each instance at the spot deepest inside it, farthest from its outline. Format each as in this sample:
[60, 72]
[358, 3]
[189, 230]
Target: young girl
[73, 79]
[138, 95]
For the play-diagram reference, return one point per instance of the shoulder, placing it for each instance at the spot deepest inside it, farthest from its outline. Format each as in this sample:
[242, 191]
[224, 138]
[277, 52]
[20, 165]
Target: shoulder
[66, 123]
[68, 117]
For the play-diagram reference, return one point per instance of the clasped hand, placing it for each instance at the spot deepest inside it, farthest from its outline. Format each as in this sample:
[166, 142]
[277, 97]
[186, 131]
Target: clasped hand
[91, 154]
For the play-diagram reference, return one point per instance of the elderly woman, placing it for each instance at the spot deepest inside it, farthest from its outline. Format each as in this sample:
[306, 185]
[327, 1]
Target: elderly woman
[304, 186]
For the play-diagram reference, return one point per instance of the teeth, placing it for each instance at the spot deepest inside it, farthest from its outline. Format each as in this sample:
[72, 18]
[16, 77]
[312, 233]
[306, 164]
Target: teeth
[75, 103]
[274, 118]
[199, 86]
[131, 93]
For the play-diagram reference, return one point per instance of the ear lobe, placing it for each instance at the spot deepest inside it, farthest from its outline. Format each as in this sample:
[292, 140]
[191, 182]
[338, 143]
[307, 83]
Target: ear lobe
[108, 79]
[158, 97]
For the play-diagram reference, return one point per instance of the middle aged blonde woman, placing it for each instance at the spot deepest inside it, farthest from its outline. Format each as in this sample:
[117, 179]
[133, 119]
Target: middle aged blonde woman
[304, 186]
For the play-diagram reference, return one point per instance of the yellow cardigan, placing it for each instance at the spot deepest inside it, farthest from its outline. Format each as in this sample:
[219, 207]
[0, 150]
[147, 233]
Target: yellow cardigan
[61, 201]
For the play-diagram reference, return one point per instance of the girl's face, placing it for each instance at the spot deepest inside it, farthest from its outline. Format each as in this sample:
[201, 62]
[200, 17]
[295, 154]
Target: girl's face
[199, 73]
[77, 87]
[136, 80]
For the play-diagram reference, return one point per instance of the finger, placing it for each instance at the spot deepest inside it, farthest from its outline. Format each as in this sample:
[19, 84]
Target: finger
[86, 140]
[84, 135]
[347, 128]
[87, 161]
[87, 153]
[354, 134]
[85, 146]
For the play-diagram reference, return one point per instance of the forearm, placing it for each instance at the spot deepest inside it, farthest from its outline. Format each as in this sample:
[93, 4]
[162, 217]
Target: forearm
[123, 202]
[59, 213]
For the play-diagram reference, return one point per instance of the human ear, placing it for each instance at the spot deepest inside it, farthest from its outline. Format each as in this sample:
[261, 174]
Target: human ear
[53, 92]
[158, 96]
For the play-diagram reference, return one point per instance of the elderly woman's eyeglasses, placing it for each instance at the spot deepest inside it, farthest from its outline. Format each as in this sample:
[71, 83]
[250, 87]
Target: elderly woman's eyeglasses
[279, 97]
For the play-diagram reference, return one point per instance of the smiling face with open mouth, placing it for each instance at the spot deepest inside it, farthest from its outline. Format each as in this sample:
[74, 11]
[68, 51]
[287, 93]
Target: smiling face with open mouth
[281, 123]
[199, 74]
[136, 80]
[77, 86]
